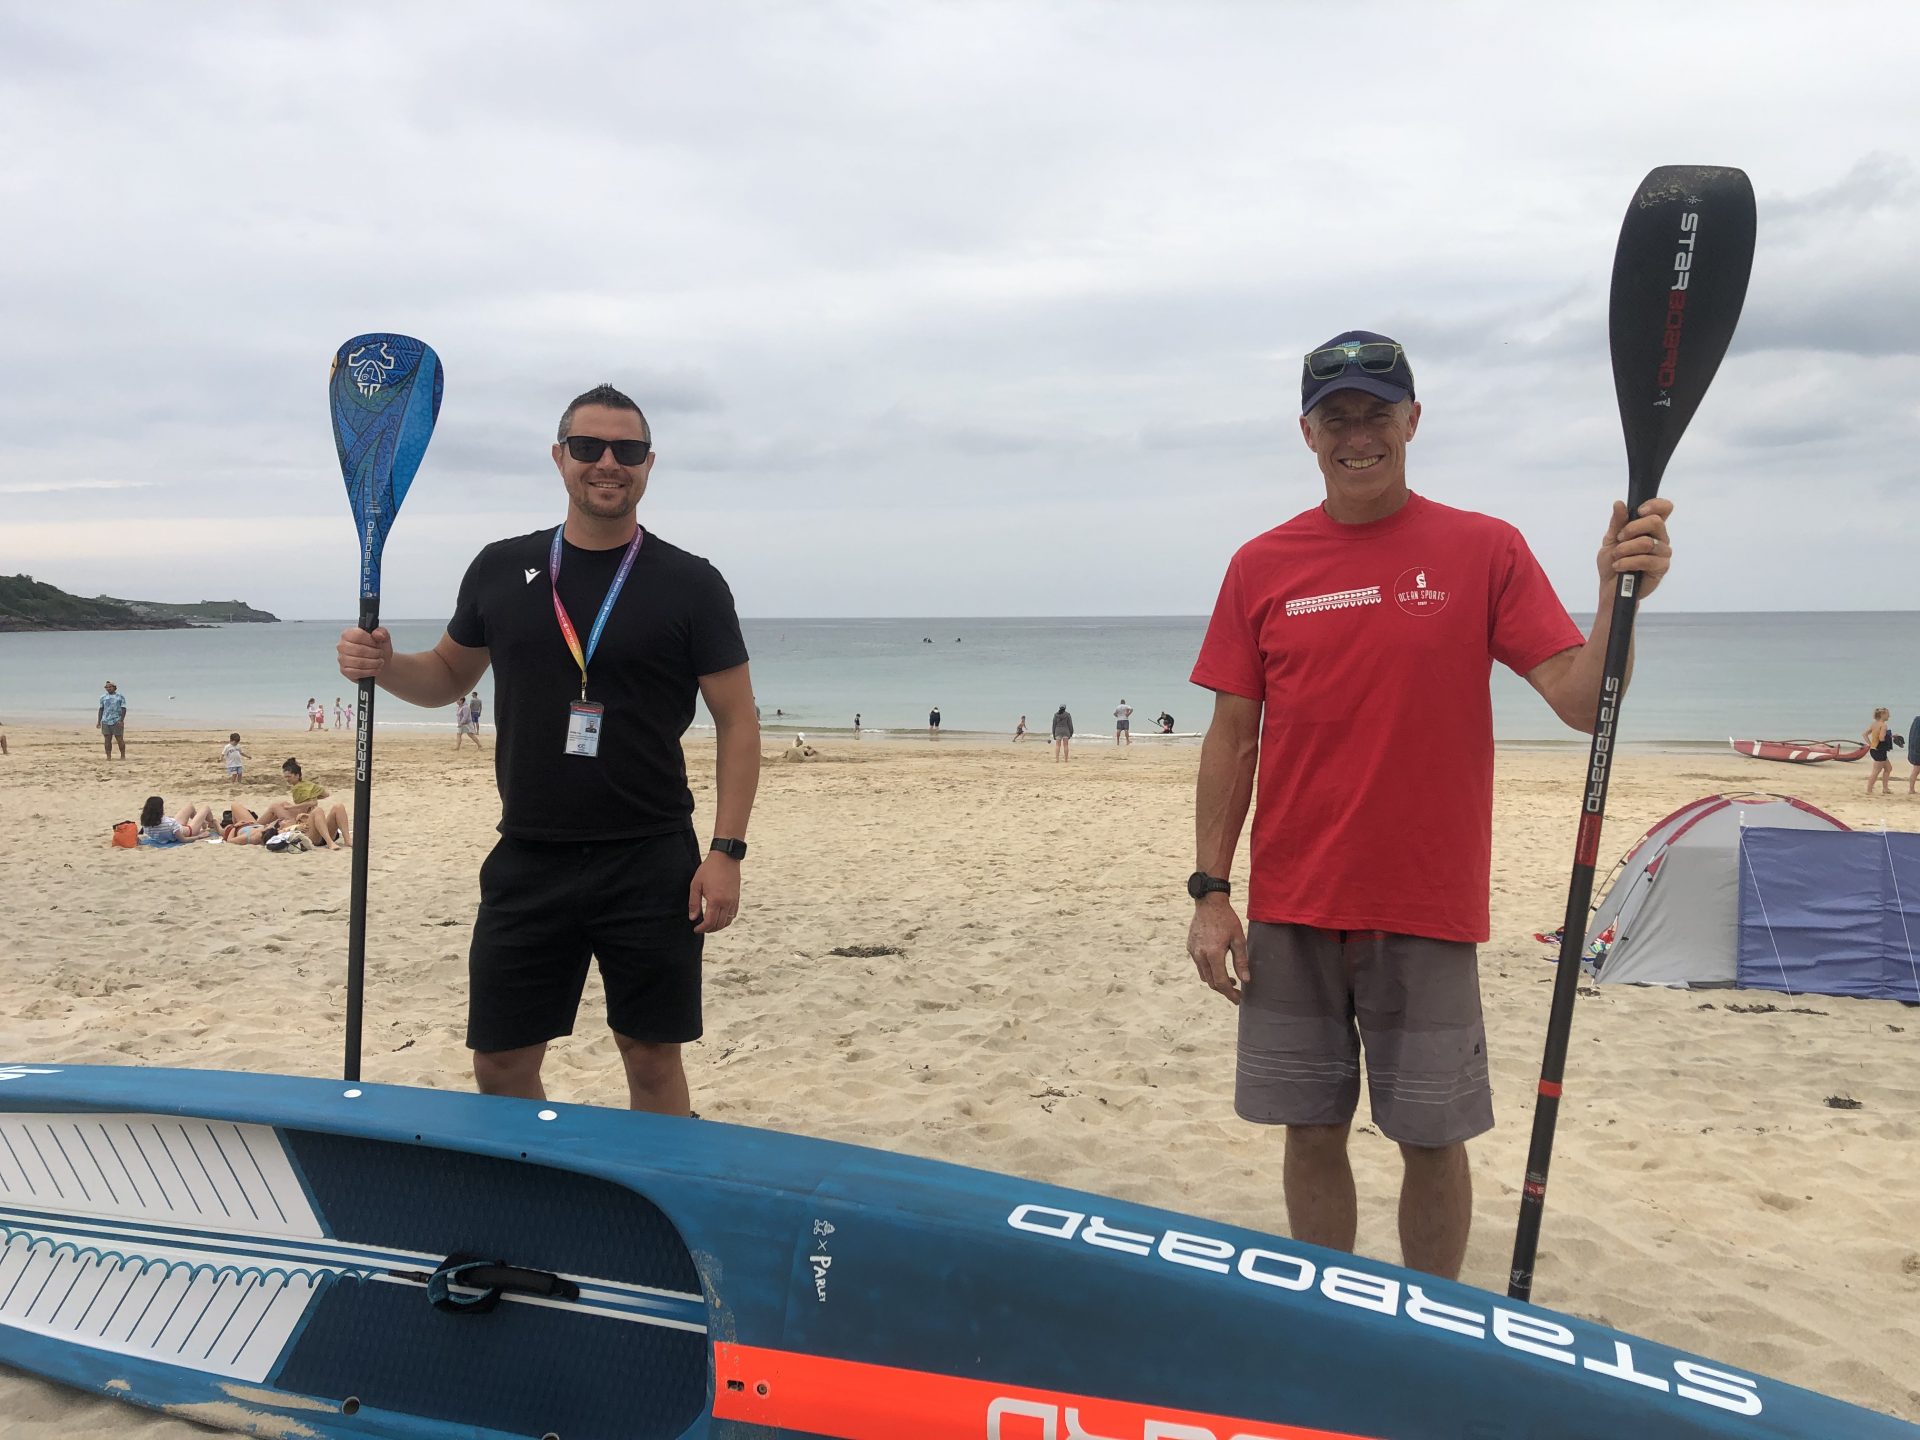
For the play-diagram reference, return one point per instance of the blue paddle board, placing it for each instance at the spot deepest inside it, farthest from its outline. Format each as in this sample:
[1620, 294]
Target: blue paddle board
[303, 1257]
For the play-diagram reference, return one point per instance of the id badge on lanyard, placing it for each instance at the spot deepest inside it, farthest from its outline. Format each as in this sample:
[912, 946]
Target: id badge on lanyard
[586, 721]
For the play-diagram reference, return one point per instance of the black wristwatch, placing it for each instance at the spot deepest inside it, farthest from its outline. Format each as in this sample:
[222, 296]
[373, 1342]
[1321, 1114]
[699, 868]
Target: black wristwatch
[732, 849]
[1200, 885]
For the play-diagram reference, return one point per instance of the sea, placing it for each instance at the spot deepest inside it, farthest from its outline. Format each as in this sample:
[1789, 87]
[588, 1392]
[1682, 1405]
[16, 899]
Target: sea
[1698, 678]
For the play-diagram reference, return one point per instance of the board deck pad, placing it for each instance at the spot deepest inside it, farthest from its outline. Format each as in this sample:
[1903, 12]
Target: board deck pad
[300, 1259]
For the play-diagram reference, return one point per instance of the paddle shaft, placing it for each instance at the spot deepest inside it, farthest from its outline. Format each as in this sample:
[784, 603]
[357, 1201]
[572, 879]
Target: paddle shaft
[1573, 933]
[362, 820]
[1680, 276]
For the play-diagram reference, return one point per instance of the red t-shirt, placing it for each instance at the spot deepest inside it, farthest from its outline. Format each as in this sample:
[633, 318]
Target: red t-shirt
[1370, 647]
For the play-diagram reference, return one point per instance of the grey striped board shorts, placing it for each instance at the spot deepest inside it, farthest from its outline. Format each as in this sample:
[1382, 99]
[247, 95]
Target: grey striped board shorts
[1317, 997]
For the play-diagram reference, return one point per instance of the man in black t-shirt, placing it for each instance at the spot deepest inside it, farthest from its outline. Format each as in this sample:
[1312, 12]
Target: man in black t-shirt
[599, 635]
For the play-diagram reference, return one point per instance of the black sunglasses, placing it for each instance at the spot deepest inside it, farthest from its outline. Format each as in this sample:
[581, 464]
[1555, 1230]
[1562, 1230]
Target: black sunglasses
[1376, 357]
[589, 448]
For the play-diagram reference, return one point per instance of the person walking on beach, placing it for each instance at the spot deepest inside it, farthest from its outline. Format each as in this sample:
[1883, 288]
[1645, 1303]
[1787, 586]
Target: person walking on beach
[112, 720]
[1123, 723]
[1879, 738]
[339, 714]
[1376, 613]
[933, 722]
[461, 714]
[234, 758]
[856, 724]
[1020, 730]
[600, 635]
[1062, 734]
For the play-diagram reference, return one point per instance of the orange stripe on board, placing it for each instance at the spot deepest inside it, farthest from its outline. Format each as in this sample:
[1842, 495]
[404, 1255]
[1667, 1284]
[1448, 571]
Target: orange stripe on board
[853, 1401]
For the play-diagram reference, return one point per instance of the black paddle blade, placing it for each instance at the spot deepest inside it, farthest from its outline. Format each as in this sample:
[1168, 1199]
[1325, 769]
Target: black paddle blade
[1679, 280]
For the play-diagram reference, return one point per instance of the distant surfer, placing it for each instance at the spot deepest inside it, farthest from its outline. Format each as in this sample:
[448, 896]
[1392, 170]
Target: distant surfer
[1879, 737]
[1374, 614]
[599, 635]
[1165, 722]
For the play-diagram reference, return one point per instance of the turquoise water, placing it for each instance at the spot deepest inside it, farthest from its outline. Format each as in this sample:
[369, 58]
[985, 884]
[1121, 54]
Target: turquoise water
[1698, 678]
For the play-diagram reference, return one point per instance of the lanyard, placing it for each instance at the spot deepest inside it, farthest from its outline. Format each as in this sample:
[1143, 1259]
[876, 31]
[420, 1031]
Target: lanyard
[584, 658]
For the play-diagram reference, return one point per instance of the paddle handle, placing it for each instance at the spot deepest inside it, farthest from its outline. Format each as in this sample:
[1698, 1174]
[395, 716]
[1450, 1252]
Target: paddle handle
[362, 818]
[1573, 934]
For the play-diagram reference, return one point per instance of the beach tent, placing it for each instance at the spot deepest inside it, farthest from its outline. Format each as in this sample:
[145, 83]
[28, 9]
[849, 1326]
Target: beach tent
[1824, 914]
[1674, 904]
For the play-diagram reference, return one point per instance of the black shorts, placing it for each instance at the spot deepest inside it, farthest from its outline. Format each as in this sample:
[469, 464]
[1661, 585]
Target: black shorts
[546, 908]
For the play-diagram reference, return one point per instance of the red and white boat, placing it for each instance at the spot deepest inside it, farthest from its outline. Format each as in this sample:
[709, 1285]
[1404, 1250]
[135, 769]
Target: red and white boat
[1799, 752]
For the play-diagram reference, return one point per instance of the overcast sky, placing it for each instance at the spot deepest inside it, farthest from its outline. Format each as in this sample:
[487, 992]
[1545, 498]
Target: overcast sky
[935, 309]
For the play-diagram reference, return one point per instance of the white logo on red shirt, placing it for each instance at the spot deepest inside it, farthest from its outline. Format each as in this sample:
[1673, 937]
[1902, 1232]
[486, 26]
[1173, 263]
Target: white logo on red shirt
[1338, 600]
[1416, 594]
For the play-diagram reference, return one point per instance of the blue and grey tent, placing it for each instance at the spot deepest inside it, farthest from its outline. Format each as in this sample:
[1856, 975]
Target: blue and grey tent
[1673, 904]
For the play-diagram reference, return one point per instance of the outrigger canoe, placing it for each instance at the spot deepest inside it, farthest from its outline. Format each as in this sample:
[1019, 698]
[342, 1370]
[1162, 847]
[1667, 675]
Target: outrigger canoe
[304, 1258]
[1798, 752]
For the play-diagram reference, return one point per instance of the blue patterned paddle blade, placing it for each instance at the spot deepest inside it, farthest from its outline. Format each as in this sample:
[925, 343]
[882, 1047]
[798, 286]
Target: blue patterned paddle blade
[385, 393]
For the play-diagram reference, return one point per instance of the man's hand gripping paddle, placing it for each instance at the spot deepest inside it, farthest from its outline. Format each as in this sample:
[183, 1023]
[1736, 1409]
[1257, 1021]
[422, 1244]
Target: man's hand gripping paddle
[385, 392]
[1679, 279]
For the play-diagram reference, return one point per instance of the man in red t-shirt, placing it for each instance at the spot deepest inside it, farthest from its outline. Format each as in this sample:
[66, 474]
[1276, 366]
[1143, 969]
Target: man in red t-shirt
[1349, 655]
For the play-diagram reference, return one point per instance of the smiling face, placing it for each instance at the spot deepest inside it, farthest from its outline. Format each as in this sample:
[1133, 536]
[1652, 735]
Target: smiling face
[603, 493]
[1361, 441]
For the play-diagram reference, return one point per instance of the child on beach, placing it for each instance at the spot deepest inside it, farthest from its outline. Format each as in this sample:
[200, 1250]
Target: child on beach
[232, 755]
[1879, 738]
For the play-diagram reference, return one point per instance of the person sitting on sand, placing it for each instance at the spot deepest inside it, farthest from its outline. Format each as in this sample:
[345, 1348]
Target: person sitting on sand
[194, 822]
[326, 826]
[304, 795]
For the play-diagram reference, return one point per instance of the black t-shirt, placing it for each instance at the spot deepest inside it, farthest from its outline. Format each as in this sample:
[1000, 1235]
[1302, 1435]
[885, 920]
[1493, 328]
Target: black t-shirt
[673, 622]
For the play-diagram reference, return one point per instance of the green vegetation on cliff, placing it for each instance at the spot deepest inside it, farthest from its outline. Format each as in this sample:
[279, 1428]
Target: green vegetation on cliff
[206, 612]
[28, 604]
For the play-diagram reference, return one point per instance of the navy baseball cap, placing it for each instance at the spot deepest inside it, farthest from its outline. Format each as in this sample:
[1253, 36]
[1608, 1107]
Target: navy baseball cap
[1372, 364]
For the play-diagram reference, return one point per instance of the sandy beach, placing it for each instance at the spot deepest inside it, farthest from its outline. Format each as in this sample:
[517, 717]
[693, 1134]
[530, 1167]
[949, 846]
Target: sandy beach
[1040, 1017]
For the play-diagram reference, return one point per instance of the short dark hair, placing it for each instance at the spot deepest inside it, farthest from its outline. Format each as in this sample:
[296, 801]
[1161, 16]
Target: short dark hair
[611, 399]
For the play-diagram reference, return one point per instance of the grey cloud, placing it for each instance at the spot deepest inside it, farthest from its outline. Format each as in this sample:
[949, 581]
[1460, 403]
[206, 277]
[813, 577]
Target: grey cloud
[890, 279]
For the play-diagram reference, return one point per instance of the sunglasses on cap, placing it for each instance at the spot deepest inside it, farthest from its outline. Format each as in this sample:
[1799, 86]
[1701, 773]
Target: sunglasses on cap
[1376, 357]
[589, 448]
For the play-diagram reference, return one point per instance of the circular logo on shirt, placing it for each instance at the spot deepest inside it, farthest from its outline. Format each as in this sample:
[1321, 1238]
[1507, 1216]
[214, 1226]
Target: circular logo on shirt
[1419, 592]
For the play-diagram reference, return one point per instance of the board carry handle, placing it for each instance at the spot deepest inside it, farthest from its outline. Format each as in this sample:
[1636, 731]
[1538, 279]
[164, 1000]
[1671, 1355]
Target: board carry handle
[493, 1279]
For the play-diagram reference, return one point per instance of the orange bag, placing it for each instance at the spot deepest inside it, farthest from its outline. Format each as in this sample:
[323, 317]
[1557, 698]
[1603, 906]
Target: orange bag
[126, 835]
